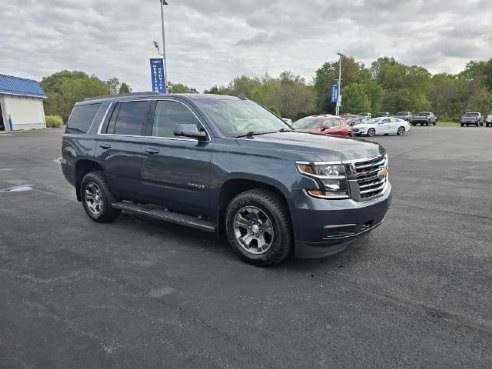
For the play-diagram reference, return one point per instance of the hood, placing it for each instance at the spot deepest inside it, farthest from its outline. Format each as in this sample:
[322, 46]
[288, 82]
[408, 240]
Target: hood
[323, 147]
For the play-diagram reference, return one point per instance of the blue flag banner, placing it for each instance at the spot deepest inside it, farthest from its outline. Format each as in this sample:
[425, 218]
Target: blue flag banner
[157, 73]
[334, 93]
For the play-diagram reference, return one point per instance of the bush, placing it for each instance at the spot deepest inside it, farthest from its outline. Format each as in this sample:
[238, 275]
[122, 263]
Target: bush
[54, 121]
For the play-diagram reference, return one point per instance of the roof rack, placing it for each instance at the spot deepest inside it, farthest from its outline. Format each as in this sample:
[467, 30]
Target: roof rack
[122, 95]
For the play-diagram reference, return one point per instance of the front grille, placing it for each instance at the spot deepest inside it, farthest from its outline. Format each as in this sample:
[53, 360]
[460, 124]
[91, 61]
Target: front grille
[369, 177]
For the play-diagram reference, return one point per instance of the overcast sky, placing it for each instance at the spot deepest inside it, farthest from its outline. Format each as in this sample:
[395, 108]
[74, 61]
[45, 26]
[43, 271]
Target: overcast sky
[211, 42]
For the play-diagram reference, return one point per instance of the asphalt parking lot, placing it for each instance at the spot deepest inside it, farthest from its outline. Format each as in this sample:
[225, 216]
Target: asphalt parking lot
[415, 293]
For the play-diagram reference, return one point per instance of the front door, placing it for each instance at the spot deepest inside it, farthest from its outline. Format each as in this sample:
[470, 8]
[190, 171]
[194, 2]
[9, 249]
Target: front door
[176, 170]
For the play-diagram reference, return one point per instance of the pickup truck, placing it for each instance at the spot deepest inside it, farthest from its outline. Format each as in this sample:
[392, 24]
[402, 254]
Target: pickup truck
[225, 164]
[405, 115]
[425, 117]
[472, 118]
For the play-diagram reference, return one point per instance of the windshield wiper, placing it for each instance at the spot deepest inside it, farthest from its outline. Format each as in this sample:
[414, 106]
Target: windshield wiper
[250, 134]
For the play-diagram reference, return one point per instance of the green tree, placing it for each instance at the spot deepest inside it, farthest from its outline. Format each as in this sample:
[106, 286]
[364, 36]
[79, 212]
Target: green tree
[113, 85]
[355, 99]
[65, 88]
[179, 88]
[124, 88]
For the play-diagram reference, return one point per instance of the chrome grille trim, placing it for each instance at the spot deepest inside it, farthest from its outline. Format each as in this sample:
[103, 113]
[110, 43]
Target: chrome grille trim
[365, 182]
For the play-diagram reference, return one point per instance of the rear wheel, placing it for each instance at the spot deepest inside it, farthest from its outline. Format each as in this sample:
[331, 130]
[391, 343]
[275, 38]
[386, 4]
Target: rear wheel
[371, 132]
[401, 131]
[97, 198]
[258, 227]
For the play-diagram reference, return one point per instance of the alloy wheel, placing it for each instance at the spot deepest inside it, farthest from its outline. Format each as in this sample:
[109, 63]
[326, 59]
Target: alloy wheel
[253, 230]
[93, 198]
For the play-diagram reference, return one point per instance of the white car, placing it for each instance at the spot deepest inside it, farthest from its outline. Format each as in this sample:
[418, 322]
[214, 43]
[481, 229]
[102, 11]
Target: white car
[488, 121]
[382, 126]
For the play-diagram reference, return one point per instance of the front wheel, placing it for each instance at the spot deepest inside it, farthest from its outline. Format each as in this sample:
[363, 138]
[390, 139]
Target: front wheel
[258, 227]
[97, 198]
[371, 132]
[401, 131]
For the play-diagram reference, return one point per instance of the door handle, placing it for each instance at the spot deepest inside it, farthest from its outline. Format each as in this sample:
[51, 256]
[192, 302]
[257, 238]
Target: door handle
[151, 151]
[105, 146]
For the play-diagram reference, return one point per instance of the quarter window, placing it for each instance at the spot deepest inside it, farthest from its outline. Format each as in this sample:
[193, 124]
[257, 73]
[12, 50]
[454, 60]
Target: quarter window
[168, 114]
[81, 118]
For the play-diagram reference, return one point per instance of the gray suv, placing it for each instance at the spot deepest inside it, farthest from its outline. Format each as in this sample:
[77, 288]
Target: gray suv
[227, 165]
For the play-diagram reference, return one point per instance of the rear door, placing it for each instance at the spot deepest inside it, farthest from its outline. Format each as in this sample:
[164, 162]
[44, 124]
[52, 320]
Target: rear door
[120, 146]
[176, 170]
[384, 126]
[393, 125]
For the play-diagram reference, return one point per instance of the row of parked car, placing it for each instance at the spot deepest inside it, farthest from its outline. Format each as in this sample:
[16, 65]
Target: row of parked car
[360, 126]
[427, 118]
[383, 124]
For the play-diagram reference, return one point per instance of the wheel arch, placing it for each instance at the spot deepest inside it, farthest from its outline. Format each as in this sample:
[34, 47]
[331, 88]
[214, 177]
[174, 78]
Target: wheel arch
[82, 167]
[234, 186]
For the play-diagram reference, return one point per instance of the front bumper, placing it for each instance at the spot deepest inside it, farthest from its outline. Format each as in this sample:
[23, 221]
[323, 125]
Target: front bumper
[325, 227]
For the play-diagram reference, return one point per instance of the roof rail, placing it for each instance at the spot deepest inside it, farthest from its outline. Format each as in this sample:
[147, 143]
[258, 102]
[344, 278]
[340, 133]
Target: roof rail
[122, 95]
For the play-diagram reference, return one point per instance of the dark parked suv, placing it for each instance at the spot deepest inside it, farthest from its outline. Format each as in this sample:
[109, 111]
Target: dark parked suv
[225, 164]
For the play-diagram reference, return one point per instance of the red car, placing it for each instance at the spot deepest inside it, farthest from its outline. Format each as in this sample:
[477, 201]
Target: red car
[323, 124]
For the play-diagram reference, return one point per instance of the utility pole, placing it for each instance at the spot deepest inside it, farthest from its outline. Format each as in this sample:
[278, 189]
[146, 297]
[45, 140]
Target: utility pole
[339, 95]
[164, 2]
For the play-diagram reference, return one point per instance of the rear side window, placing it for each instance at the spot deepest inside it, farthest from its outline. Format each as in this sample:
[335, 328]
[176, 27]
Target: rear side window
[128, 118]
[167, 115]
[81, 118]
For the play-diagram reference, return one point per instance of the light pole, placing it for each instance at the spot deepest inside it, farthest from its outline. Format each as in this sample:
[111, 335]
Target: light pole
[156, 44]
[339, 95]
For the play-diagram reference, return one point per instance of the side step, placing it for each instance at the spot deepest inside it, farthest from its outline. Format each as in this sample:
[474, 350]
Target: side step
[168, 216]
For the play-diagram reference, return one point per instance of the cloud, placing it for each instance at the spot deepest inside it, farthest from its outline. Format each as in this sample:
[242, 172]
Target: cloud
[211, 42]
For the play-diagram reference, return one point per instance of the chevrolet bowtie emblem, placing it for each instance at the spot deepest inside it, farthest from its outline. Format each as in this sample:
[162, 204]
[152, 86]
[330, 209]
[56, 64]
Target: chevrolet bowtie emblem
[383, 173]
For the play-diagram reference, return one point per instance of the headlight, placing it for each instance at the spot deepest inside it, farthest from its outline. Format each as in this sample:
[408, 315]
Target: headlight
[331, 179]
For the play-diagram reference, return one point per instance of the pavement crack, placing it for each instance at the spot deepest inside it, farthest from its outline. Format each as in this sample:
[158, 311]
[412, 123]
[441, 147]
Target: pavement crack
[430, 311]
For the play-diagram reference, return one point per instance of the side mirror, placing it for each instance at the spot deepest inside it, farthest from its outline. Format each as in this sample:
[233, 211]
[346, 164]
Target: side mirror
[189, 130]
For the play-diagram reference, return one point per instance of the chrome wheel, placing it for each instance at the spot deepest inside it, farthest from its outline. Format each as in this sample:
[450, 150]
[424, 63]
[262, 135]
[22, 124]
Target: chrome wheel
[401, 131]
[253, 230]
[93, 198]
[371, 132]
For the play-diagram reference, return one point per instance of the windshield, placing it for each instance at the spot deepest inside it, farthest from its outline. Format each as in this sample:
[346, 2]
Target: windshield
[333, 122]
[372, 121]
[402, 113]
[307, 123]
[239, 117]
[424, 113]
[471, 114]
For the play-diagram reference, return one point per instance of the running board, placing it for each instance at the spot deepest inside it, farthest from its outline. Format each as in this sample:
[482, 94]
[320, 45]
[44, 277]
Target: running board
[165, 215]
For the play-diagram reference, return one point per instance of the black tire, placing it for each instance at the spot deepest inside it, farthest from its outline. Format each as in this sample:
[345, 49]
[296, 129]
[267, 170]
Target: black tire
[371, 132]
[97, 198]
[462, 124]
[433, 123]
[270, 206]
[400, 131]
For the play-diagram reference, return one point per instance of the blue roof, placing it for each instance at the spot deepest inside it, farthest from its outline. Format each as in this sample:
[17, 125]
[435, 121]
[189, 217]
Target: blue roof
[11, 85]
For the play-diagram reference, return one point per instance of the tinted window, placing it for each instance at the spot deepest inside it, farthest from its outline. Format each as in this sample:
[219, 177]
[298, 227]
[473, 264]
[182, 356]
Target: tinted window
[130, 118]
[167, 115]
[81, 118]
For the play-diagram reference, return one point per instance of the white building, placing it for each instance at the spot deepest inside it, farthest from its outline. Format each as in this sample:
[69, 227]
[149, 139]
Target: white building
[21, 104]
